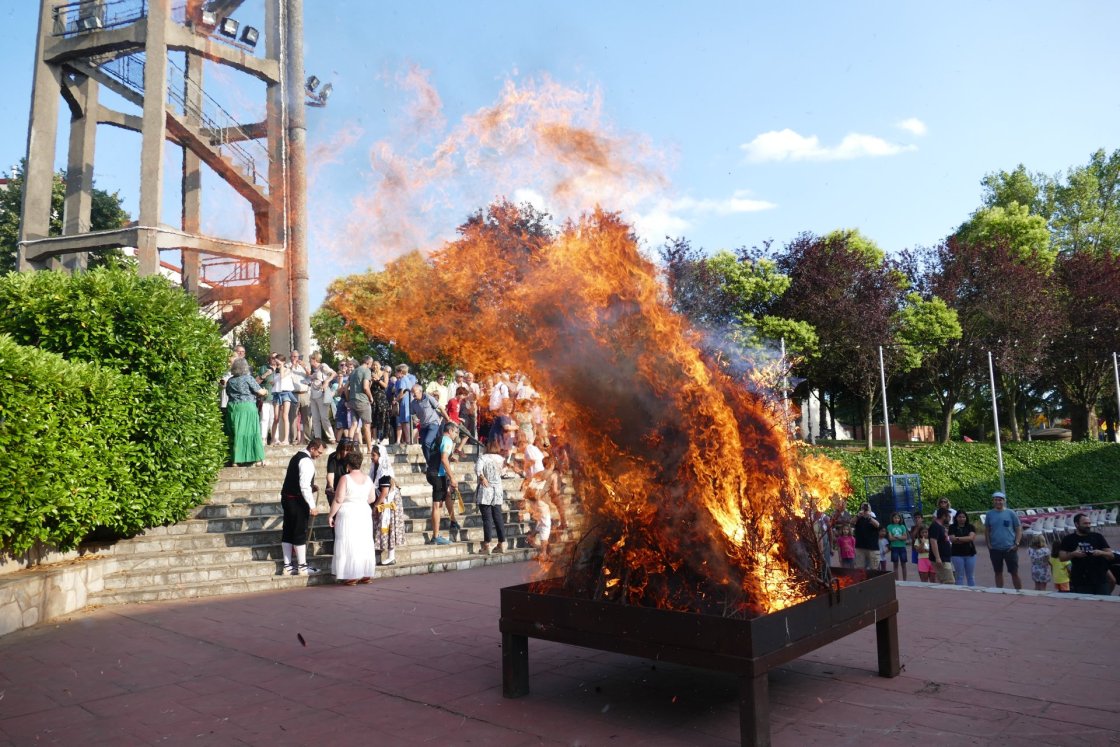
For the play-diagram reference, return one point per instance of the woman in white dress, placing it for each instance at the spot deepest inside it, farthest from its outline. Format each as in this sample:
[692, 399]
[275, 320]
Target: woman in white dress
[351, 518]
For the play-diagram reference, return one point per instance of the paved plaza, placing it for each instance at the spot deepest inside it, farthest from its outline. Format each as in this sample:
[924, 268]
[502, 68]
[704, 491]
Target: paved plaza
[417, 660]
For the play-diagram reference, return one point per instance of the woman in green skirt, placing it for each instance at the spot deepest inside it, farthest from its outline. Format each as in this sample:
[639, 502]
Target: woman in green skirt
[243, 427]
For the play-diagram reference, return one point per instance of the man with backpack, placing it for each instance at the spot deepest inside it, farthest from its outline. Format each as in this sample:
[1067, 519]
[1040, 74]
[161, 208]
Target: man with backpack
[439, 475]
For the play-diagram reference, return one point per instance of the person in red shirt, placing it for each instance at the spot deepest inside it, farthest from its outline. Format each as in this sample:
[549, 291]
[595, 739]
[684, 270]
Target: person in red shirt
[455, 415]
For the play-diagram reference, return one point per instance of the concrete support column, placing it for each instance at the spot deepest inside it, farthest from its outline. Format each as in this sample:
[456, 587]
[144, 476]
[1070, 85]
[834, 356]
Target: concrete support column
[154, 124]
[279, 296]
[192, 173]
[297, 178]
[79, 168]
[42, 131]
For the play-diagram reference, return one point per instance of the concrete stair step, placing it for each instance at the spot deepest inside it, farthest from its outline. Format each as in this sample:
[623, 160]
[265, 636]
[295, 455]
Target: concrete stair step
[270, 493]
[186, 574]
[165, 592]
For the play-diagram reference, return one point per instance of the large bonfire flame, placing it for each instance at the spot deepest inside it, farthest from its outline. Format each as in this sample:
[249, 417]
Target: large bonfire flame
[696, 499]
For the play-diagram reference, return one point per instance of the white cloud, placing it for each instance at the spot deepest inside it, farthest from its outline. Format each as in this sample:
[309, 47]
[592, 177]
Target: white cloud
[672, 217]
[913, 125]
[737, 203]
[531, 196]
[658, 223]
[788, 145]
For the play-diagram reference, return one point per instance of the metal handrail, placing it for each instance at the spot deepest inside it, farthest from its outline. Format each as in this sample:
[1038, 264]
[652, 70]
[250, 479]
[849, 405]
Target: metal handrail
[243, 272]
[129, 70]
[68, 17]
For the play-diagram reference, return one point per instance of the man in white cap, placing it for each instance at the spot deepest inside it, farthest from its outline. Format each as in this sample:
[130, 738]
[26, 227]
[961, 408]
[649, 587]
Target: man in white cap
[1005, 533]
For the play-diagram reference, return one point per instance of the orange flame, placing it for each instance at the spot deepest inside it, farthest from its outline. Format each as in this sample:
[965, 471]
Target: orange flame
[696, 498]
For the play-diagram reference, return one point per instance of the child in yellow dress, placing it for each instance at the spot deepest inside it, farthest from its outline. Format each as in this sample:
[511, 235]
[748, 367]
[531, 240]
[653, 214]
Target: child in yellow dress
[1059, 569]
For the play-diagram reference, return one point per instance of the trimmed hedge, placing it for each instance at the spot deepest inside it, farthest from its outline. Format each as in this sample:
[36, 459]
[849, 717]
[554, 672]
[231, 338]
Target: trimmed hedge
[65, 432]
[168, 357]
[1037, 474]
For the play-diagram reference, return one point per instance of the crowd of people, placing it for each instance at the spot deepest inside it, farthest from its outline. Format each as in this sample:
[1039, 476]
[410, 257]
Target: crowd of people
[944, 550]
[364, 407]
[297, 400]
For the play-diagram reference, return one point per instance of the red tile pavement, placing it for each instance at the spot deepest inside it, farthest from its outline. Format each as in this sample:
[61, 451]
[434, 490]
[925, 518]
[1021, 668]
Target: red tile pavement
[417, 660]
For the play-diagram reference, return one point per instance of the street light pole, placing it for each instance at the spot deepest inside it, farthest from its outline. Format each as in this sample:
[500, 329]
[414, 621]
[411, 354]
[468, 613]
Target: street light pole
[886, 417]
[995, 420]
[1116, 374]
[785, 397]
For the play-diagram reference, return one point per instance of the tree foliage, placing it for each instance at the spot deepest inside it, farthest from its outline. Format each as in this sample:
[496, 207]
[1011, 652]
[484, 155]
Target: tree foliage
[857, 301]
[733, 295]
[1026, 235]
[105, 213]
[1079, 358]
[1085, 206]
[253, 334]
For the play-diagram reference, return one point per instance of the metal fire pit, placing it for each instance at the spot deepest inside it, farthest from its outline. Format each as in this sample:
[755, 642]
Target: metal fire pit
[749, 648]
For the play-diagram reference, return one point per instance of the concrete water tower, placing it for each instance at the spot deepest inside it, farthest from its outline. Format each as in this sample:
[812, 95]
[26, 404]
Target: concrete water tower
[150, 53]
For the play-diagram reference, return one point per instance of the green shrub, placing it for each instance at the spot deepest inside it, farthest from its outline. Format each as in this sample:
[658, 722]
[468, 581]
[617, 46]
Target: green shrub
[65, 431]
[152, 333]
[1036, 474]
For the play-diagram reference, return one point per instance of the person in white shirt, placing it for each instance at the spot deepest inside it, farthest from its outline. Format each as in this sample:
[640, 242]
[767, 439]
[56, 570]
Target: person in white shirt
[297, 498]
[321, 395]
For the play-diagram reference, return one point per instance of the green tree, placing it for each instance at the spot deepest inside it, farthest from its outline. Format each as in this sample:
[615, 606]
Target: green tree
[1005, 188]
[751, 286]
[1079, 360]
[1025, 234]
[733, 294]
[339, 337]
[857, 301]
[253, 333]
[1085, 213]
[105, 213]
[924, 328]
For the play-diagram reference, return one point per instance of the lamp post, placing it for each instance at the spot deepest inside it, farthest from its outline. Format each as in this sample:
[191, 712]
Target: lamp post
[995, 420]
[886, 418]
[1116, 374]
[785, 396]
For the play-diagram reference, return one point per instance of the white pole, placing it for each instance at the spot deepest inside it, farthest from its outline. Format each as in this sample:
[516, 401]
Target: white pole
[886, 418]
[1116, 373]
[995, 419]
[785, 398]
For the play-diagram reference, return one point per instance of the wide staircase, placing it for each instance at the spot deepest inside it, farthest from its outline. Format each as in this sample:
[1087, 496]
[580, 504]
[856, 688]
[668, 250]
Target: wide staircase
[232, 544]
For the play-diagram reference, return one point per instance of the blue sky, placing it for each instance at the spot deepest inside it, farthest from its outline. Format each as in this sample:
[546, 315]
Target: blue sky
[727, 123]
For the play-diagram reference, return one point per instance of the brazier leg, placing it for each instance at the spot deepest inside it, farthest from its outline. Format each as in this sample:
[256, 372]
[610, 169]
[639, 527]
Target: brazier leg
[754, 710]
[515, 665]
[886, 639]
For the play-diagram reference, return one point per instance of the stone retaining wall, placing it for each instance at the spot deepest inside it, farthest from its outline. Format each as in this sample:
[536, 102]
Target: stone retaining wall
[48, 592]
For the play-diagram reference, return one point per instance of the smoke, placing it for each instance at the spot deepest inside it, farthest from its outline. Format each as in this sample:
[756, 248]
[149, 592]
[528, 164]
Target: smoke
[539, 138]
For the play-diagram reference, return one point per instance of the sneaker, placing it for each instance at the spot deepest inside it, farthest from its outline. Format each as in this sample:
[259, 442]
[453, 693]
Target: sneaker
[288, 570]
[294, 569]
[454, 526]
[307, 570]
[441, 541]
